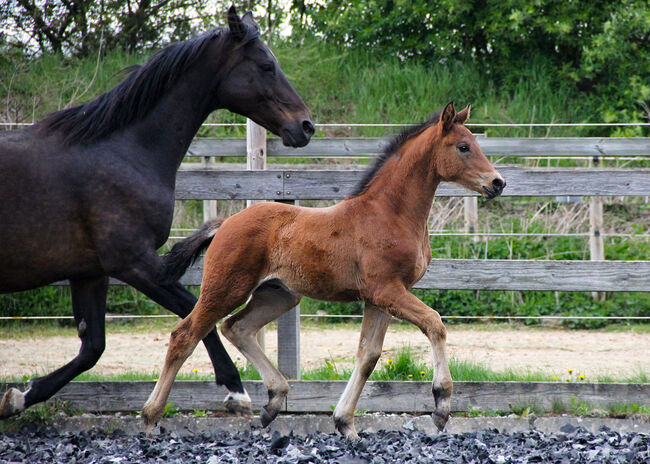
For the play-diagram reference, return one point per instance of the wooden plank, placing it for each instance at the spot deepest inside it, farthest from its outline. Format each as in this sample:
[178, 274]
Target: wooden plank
[326, 184]
[493, 146]
[506, 274]
[228, 185]
[513, 274]
[319, 396]
[289, 343]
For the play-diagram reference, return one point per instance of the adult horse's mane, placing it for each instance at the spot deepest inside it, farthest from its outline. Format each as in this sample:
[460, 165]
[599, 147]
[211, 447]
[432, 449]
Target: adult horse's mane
[391, 150]
[134, 97]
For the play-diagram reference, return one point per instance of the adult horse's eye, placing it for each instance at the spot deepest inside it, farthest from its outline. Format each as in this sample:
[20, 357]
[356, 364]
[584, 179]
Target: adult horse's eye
[267, 67]
[463, 148]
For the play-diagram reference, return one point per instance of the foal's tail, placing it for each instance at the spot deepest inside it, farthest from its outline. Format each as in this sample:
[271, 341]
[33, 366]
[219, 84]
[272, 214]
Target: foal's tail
[184, 253]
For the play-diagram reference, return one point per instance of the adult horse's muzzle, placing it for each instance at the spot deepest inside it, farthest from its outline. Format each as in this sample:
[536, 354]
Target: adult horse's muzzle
[495, 188]
[297, 133]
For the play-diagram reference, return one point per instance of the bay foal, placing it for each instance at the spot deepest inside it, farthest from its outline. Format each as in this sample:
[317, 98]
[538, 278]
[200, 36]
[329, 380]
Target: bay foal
[373, 246]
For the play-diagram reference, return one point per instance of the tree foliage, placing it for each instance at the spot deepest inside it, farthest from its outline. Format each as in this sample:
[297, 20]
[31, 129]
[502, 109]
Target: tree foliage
[601, 45]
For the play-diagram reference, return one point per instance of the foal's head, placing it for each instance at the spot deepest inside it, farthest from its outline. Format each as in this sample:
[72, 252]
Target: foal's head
[255, 86]
[460, 158]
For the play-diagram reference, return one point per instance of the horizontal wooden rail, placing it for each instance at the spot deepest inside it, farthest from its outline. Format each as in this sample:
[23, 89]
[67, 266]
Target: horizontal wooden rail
[320, 396]
[514, 274]
[496, 146]
[336, 184]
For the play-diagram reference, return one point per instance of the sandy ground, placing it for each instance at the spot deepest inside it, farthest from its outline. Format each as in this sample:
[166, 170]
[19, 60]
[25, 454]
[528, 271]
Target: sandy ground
[590, 353]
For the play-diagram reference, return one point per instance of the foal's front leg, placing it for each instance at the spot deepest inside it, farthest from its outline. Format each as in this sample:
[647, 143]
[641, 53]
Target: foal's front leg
[399, 302]
[373, 329]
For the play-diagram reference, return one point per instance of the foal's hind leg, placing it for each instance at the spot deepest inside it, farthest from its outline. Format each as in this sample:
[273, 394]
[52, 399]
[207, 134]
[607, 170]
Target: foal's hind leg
[399, 302]
[180, 301]
[269, 301]
[373, 329]
[89, 306]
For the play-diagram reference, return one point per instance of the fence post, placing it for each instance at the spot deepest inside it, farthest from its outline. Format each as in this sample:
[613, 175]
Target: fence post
[209, 206]
[256, 159]
[289, 340]
[470, 209]
[596, 245]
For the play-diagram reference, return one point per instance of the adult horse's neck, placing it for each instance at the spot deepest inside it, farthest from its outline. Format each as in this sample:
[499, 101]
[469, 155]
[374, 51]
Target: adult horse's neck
[169, 128]
[408, 180]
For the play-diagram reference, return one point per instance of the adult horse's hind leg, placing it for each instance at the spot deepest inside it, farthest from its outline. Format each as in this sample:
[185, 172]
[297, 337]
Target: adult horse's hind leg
[89, 306]
[181, 301]
[399, 302]
[269, 301]
[373, 329]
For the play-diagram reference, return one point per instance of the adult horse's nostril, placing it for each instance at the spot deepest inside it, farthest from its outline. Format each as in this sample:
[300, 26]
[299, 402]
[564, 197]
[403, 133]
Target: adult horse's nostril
[308, 128]
[499, 184]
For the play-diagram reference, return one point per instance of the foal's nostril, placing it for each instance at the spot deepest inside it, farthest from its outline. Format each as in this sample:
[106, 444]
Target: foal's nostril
[498, 184]
[308, 128]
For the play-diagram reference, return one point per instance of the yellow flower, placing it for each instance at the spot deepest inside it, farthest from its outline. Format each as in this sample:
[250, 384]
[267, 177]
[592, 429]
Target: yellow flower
[410, 376]
[555, 377]
[389, 360]
[155, 380]
[421, 372]
[195, 370]
[570, 371]
[581, 377]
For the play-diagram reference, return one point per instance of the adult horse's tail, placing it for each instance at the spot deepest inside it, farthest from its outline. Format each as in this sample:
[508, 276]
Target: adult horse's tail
[184, 253]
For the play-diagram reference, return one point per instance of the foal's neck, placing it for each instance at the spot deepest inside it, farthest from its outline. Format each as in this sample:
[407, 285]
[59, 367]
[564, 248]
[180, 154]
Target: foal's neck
[408, 180]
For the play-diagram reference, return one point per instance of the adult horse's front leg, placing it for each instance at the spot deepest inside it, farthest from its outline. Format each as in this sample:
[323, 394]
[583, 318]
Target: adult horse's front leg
[373, 329]
[89, 306]
[399, 302]
[180, 301]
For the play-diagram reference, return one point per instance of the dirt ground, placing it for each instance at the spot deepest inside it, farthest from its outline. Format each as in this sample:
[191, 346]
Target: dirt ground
[590, 353]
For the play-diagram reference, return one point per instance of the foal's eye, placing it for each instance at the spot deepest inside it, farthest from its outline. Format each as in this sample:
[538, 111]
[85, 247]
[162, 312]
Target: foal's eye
[463, 148]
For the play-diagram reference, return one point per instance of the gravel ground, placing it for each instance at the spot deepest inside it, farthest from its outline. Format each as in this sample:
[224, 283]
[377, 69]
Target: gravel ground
[570, 445]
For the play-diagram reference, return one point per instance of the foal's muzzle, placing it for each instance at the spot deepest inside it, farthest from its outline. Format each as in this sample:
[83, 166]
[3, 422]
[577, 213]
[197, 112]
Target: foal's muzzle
[496, 188]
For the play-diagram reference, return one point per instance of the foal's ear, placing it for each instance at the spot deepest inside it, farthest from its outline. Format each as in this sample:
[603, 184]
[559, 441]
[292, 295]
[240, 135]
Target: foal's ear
[447, 117]
[235, 24]
[463, 115]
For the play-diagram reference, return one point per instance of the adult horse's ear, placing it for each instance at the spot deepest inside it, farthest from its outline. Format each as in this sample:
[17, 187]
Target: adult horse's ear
[235, 24]
[248, 20]
[463, 115]
[447, 117]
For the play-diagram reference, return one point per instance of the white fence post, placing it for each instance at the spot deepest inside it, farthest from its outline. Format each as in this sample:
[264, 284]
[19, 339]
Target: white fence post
[209, 206]
[256, 159]
[596, 245]
[470, 208]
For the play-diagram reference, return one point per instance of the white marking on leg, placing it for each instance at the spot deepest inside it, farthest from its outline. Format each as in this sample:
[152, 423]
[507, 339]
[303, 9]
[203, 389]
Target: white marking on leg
[238, 397]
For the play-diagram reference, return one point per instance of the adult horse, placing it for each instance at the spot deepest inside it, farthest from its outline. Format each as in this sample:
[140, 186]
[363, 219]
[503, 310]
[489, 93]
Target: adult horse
[88, 192]
[373, 246]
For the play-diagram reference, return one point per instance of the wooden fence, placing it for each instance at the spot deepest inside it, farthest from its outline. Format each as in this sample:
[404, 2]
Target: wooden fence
[208, 181]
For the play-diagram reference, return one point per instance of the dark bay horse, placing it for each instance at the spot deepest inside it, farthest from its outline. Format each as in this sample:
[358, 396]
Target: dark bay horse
[373, 246]
[88, 192]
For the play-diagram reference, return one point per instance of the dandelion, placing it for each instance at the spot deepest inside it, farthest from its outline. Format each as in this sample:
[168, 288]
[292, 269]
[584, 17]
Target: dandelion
[570, 371]
[421, 372]
[555, 377]
[581, 377]
[389, 361]
[410, 376]
[195, 370]
[155, 380]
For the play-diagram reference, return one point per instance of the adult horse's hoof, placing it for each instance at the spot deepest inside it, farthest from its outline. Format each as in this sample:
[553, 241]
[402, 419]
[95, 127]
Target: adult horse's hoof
[239, 404]
[13, 403]
[267, 417]
[440, 420]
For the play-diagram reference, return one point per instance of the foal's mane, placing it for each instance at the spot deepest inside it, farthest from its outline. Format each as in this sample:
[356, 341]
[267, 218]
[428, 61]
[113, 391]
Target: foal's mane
[133, 98]
[391, 150]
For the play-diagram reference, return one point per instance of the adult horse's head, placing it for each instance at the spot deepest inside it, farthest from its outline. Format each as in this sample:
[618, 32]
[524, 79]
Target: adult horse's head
[461, 159]
[254, 85]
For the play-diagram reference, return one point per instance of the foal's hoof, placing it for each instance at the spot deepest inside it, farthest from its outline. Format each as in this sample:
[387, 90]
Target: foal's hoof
[440, 420]
[13, 403]
[267, 417]
[346, 429]
[239, 404]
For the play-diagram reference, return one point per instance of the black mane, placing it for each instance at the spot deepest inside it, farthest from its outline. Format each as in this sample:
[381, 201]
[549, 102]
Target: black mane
[391, 150]
[133, 98]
